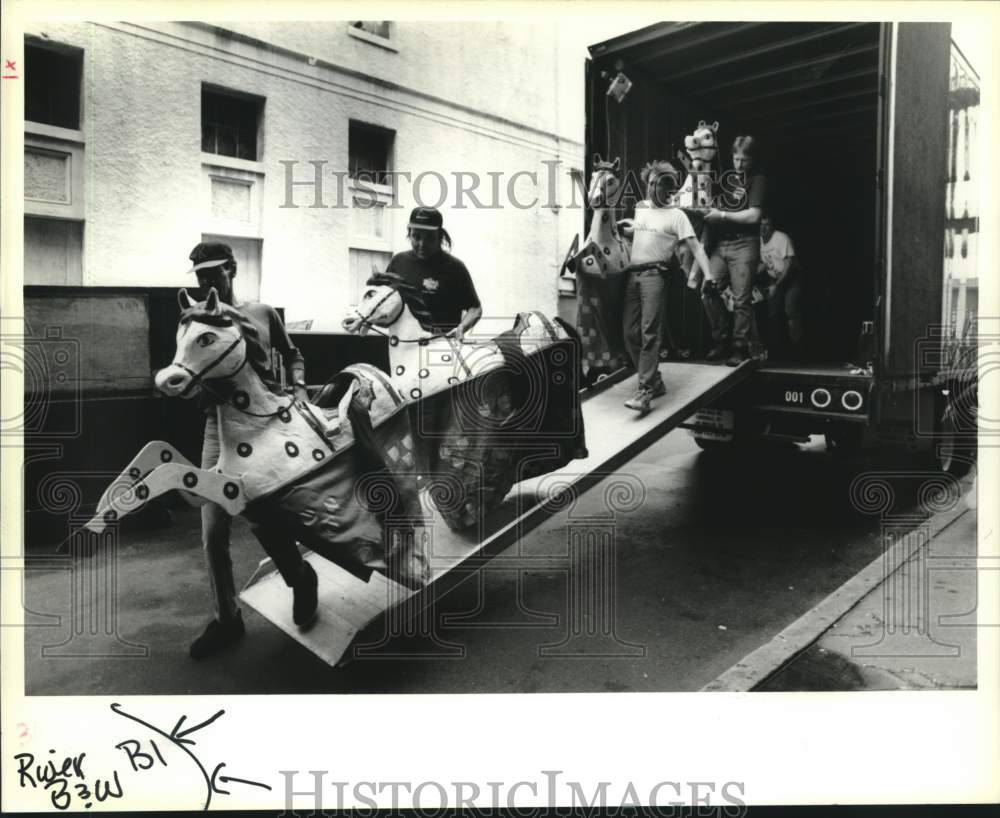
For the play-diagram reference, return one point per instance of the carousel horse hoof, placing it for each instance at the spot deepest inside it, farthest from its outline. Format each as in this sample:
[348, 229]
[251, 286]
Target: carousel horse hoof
[305, 596]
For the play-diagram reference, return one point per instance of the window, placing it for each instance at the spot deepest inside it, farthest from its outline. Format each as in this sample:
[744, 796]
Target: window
[369, 151]
[52, 85]
[380, 28]
[53, 251]
[230, 122]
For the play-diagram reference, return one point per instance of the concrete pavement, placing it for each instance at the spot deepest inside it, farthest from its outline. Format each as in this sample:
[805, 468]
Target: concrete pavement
[721, 554]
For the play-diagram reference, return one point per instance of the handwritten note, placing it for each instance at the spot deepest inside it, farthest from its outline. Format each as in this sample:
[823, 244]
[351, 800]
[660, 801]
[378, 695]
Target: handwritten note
[69, 781]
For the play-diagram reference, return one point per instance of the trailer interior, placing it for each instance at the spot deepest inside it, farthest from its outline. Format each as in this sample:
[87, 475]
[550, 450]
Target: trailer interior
[809, 94]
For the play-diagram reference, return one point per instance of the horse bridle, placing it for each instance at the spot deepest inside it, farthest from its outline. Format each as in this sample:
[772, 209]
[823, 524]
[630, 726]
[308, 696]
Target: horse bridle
[199, 378]
[394, 339]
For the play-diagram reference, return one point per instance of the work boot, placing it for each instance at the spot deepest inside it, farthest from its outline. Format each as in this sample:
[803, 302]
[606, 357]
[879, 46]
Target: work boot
[218, 636]
[718, 352]
[739, 356]
[640, 401]
[305, 596]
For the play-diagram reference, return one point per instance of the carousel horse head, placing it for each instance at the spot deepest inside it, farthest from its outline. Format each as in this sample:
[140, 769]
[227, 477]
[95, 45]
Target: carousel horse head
[380, 305]
[604, 183]
[214, 342]
[701, 145]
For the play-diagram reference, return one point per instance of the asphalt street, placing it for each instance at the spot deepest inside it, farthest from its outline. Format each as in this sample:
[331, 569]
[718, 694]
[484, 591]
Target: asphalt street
[722, 553]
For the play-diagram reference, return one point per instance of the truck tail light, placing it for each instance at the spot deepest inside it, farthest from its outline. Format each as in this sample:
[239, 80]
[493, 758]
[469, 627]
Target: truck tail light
[851, 400]
[820, 397]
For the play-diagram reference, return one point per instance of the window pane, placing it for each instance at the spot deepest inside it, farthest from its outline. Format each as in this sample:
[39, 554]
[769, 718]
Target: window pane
[52, 86]
[369, 153]
[229, 124]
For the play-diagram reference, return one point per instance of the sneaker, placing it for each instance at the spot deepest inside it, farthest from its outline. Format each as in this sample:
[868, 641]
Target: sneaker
[739, 356]
[305, 596]
[218, 636]
[659, 390]
[718, 352]
[640, 401]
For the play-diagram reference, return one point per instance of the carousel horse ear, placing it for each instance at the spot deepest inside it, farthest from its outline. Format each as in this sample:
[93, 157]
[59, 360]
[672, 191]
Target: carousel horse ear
[715, 126]
[597, 159]
[212, 302]
[617, 163]
[184, 300]
[702, 123]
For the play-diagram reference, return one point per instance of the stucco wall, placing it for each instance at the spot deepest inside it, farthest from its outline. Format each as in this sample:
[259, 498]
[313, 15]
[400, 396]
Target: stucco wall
[145, 186]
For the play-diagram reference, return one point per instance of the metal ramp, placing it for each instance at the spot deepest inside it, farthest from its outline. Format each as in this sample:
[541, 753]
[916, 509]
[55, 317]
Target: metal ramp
[349, 606]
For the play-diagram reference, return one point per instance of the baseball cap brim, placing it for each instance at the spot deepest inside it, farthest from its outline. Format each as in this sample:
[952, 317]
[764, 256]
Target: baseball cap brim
[215, 262]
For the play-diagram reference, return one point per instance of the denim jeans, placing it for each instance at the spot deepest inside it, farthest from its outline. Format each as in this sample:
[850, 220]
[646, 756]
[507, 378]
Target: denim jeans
[215, 528]
[641, 320]
[734, 261]
[784, 312]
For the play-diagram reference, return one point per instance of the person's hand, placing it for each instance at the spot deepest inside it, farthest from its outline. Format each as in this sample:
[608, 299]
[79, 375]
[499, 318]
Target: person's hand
[714, 215]
[301, 394]
[458, 333]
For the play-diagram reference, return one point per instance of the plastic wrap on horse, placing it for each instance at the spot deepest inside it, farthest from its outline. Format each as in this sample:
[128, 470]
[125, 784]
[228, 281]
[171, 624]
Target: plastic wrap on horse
[484, 434]
[484, 415]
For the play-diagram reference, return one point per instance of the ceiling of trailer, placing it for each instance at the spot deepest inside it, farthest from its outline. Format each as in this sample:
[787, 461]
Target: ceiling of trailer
[780, 81]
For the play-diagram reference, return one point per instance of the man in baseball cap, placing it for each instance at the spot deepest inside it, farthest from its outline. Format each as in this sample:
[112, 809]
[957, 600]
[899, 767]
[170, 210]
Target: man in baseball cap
[215, 266]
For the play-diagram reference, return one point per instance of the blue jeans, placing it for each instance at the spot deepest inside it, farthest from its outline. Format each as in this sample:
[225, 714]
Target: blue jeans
[215, 527]
[734, 261]
[643, 300]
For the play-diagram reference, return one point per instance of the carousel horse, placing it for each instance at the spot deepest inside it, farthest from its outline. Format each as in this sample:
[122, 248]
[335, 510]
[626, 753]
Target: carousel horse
[484, 415]
[600, 284]
[423, 362]
[298, 471]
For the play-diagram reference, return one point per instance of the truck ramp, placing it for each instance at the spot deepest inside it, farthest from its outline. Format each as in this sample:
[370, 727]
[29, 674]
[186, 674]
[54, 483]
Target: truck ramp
[349, 606]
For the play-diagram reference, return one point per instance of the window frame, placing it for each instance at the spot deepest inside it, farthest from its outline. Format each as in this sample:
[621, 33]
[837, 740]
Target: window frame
[255, 99]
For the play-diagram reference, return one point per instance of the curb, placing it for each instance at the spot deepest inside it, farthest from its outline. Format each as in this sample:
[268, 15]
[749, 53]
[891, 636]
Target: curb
[756, 667]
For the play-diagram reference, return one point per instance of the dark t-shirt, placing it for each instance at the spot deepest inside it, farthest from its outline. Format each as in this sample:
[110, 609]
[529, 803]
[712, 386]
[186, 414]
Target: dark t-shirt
[443, 288]
[736, 192]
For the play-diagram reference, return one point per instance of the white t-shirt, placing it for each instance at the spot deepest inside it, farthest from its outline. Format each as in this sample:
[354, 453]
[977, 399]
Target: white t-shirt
[657, 231]
[777, 253]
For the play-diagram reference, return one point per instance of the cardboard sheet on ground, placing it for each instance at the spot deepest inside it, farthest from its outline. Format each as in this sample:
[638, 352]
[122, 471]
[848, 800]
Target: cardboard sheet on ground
[348, 605]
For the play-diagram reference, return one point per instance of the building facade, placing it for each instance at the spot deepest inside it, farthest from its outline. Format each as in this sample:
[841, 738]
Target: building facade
[304, 146]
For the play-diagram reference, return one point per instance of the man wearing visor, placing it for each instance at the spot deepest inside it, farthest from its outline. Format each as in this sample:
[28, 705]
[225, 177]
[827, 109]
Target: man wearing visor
[215, 266]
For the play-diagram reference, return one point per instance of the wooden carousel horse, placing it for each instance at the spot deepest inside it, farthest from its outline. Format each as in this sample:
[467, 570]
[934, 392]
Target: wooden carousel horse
[600, 281]
[319, 476]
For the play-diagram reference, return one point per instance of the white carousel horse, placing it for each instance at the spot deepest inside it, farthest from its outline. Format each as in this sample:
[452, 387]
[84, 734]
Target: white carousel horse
[268, 442]
[421, 362]
[605, 252]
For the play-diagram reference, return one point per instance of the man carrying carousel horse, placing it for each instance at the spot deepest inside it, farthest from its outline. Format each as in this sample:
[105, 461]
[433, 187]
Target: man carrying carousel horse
[215, 266]
[656, 230]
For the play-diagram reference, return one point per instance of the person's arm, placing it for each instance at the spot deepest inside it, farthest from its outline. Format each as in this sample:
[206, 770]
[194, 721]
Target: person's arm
[700, 258]
[474, 309]
[749, 216]
[786, 267]
[295, 365]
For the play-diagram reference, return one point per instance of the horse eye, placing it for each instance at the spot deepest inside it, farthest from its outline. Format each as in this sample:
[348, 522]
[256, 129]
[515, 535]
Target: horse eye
[205, 339]
[370, 294]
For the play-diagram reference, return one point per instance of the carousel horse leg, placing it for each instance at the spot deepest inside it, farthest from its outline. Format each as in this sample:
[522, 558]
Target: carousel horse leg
[153, 454]
[297, 573]
[212, 486]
